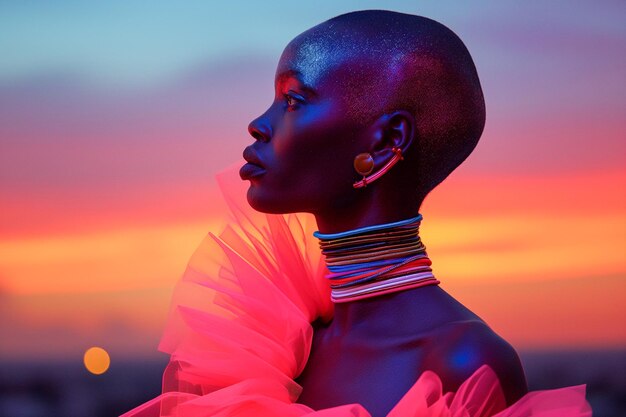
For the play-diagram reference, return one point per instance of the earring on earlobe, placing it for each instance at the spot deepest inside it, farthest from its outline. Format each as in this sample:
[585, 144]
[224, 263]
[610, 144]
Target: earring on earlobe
[364, 164]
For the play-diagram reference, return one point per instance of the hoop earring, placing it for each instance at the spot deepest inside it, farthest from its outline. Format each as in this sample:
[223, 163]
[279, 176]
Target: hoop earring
[364, 164]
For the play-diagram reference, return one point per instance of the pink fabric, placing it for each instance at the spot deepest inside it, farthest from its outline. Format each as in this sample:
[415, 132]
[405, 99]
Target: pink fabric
[239, 332]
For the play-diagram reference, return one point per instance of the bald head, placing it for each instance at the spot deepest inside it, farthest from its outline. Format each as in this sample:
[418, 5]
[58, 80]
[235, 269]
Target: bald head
[388, 61]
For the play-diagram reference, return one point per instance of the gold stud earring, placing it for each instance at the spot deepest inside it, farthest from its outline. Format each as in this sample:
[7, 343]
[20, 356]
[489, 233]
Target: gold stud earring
[364, 164]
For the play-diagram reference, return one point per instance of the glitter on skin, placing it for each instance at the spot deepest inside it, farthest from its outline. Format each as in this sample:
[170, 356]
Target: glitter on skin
[381, 61]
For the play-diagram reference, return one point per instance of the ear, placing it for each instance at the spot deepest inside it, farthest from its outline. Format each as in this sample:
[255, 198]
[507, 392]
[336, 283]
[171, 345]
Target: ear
[396, 129]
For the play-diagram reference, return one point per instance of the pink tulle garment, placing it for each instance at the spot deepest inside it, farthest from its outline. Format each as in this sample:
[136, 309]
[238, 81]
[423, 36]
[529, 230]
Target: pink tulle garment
[240, 332]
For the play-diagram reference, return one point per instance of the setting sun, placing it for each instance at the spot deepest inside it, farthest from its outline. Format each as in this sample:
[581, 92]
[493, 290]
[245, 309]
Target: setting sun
[96, 360]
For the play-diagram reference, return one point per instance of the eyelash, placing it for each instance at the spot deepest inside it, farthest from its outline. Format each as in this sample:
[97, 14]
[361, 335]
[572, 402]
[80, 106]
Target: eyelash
[290, 97]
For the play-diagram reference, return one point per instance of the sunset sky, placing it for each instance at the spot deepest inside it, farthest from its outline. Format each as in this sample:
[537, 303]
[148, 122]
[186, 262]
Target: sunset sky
[115, 117]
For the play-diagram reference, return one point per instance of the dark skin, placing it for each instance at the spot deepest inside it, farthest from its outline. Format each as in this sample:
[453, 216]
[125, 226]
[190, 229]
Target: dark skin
[375, 349]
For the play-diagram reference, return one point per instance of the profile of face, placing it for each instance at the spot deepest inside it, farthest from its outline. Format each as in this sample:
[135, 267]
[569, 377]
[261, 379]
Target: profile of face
[365, 81]
[302, 159]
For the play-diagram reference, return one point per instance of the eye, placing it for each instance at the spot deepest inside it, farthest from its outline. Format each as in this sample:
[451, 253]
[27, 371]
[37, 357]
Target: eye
[292, 101]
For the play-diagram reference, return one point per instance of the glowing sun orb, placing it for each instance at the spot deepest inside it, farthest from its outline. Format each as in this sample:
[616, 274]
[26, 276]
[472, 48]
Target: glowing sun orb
[96, 360]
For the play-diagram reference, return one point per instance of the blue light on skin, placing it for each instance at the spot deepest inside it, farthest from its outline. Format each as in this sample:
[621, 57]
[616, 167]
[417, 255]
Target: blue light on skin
[464, 357]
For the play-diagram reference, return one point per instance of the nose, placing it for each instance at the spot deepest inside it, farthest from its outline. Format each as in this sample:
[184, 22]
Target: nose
[260, 129]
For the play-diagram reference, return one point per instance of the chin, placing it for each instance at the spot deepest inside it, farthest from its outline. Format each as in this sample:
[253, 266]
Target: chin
[271, 204]
[259, 201]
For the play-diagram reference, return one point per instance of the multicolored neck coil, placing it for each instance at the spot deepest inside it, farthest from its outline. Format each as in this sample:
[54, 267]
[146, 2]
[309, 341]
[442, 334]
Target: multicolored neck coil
[374, 260]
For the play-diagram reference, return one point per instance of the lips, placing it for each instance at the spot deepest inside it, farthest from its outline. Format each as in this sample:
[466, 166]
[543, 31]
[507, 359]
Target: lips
[254, 167]
[251, 157]
[249, 171]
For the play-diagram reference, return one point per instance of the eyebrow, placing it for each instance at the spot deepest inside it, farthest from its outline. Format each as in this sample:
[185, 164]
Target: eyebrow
[297, 75]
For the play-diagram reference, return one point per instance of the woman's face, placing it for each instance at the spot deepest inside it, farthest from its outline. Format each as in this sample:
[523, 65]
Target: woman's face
[302, 159]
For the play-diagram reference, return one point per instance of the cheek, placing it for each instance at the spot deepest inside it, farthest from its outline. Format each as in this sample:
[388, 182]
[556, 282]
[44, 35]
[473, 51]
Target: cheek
[311, 161]
[317, 142]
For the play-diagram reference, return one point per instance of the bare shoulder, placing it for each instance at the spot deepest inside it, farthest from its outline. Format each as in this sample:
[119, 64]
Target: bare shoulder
[460, 348]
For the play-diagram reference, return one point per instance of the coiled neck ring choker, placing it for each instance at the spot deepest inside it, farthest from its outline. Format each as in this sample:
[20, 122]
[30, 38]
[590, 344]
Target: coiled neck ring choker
[375, 260]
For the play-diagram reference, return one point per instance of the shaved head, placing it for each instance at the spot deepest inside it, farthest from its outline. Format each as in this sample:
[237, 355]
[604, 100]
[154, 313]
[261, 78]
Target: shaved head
[388, 61]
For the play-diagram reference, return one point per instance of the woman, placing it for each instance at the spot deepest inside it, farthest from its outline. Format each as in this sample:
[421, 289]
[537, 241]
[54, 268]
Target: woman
[372, 110]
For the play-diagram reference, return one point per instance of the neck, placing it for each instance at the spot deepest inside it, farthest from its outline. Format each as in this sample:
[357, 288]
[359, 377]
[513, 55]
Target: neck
[373, 205]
